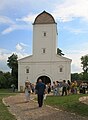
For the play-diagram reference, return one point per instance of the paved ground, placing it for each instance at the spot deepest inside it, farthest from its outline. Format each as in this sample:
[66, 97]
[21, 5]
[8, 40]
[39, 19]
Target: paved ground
[31, 111]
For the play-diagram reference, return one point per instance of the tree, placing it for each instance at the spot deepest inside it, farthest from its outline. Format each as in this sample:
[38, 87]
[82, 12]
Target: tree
[13, 64]
[84, 62]
[8, 81]
[4, 80]
[74, 76]
[59, 52]
[85, 76]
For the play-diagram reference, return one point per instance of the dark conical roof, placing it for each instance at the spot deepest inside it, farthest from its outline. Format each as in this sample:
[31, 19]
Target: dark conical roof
[44, 18]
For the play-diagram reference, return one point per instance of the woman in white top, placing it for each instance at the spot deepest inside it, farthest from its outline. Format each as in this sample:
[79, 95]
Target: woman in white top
[27, 91]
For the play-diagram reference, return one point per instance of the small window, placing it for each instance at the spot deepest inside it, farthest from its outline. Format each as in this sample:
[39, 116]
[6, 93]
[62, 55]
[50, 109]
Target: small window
[61, 70]
[27, 70]
[43, 50]
[44, 33]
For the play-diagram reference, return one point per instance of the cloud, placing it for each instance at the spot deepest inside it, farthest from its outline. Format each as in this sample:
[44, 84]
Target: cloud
[65, 10]
[5, 20]
[75, 30]
[69, 9]
[4, 4]
[76, 62]
[15, 27]
[29, 18]
[76, 69]
[21, 47]
[4, 67]
[3, 59]
[4, 54]
[76, 54]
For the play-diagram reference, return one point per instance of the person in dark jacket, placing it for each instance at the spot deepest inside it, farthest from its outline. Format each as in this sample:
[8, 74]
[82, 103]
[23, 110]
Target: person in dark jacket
[64, 87]
[40, 88]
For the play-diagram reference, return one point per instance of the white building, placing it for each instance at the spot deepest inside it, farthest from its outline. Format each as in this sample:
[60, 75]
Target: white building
[44, 63]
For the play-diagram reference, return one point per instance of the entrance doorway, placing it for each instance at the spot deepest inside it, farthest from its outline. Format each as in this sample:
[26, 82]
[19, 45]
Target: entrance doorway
[44, 79]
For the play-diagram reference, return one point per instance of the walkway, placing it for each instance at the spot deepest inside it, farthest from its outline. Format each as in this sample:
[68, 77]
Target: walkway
[31, 111]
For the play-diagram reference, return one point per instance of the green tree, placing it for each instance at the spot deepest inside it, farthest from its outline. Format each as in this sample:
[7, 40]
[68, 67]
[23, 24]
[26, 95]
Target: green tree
[2, 82]
[59, 52]
[81, 76]
[5, 80]
[8, 81]
[12, 62]
[84, 62]
[85, 76]
[74, 76]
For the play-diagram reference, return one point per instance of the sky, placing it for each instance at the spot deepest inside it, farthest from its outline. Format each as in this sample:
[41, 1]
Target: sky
[16, 29]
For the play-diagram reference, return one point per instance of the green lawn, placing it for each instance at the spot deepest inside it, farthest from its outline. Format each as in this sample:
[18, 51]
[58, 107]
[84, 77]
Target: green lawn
[69, 103]
[5, 90]
[4, 113]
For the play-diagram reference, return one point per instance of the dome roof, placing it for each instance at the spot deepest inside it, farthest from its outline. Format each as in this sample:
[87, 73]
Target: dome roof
[44, 18]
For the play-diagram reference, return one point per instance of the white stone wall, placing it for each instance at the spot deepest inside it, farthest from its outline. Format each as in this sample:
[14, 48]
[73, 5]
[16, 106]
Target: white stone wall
[48, 42]
[49, 69]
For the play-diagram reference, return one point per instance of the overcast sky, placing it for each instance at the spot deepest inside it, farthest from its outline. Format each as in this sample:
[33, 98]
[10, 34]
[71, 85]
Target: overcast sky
[17, 16]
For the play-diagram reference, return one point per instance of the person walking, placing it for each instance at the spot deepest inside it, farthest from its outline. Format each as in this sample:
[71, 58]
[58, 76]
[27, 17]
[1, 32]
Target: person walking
[27, 90]
[40, 88]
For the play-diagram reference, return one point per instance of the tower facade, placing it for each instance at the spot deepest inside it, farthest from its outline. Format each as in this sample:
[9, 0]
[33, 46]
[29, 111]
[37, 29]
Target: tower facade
[44, 63]
[44, 37]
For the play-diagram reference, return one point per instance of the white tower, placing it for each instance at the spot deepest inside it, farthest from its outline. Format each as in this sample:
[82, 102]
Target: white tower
[44, 37]
[44, 63]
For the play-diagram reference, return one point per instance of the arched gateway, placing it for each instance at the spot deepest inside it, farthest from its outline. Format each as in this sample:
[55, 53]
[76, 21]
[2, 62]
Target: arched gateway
[45, 79]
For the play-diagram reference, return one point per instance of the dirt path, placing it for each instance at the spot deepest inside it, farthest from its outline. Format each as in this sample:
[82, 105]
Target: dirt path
[31, 111]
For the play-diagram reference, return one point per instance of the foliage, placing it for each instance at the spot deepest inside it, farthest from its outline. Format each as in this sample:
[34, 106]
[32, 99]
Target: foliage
[84, 62]
[59, 52]
[85, 76]
[5, 80]
[79, 77]
[74, 76]
[69, 103]
[13, 64]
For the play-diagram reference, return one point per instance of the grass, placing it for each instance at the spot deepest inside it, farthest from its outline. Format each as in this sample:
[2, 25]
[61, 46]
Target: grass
[5, 91]
[69, 103]
[4, 113]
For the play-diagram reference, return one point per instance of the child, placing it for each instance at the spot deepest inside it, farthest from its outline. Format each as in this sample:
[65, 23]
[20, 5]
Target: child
[27, 90]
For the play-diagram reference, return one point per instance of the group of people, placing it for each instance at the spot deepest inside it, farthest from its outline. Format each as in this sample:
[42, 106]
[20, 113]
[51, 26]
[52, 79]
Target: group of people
[66, 88]
[58, 88]
[63, 88]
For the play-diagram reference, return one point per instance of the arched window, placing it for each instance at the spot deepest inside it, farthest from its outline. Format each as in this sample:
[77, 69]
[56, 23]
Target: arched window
[61, 70]
[27, 69]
